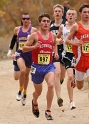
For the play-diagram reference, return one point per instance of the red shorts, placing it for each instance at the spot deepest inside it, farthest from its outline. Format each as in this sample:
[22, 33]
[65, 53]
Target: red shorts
[83, 64]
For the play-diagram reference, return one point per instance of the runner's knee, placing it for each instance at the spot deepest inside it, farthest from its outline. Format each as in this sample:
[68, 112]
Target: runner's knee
[50, 86]
[57, 74]
[70, 77]
[79, 84]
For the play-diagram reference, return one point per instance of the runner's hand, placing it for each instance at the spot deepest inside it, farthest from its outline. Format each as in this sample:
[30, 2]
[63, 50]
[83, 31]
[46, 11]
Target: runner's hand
[56, 56]
[38, 44]
[9, 53]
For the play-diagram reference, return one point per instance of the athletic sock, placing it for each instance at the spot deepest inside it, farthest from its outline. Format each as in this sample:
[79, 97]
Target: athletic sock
[21, 88]
[24, 92]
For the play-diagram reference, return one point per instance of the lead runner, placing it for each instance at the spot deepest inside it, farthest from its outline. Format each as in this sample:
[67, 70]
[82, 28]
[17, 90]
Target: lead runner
[42, 44]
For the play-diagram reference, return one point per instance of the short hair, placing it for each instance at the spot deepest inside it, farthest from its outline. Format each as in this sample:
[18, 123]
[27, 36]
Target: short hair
[73, 10]
[60, 6]
[84, 5]
[25, 13]
[43, 15]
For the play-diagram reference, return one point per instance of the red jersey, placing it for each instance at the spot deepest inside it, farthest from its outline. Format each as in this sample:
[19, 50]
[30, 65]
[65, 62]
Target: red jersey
[82, 34]
[43, 54]
[82, 52]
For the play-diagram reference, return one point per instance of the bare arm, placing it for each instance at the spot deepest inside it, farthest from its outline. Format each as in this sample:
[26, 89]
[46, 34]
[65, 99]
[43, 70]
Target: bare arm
[31, 43]
[60, 32]
[55, 47]
[73, 30]
[33, 30]
[59, 38]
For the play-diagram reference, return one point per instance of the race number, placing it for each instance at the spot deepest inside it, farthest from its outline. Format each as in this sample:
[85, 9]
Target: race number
[33, 70]
[85, 47]
[21, 44]
[43, 59]
[69, 48]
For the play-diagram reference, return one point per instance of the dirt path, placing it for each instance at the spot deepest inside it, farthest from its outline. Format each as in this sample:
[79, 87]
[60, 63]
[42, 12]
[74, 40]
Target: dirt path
[12, 112]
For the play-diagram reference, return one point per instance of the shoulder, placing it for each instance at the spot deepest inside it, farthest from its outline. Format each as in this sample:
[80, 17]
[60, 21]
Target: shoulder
[16, 29]
[33, 30]
[33, 35]
[75, 27]
[53, 34]
[61, 26]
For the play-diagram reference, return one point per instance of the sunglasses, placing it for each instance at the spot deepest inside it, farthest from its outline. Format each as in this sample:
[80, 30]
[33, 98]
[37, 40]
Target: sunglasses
[25, 18]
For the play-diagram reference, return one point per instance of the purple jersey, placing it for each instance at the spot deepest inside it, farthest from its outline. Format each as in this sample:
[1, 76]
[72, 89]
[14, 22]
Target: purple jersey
[22, 38]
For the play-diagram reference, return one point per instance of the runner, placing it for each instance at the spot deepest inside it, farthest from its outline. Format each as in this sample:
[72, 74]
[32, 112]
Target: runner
[24, 60]
[42, 43]
[58, 11]
[67, 54]
[80, 30]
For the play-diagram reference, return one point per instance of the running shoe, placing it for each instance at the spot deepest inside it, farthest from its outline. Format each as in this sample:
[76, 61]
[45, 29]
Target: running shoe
[19, 95]
[48, 115]
[60, 102]
[23, 99]
[72, 105]
[35, 110]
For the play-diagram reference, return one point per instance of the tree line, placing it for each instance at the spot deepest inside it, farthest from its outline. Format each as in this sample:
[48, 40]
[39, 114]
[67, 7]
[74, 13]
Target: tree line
[11, 10]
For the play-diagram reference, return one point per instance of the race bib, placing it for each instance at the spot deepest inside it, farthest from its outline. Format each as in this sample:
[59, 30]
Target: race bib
[85, 47]
[33, 70]
[43, 59]
[69, 48]
[21, 44]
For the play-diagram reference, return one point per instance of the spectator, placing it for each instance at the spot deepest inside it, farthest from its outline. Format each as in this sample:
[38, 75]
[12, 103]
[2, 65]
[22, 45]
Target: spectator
[66, 7]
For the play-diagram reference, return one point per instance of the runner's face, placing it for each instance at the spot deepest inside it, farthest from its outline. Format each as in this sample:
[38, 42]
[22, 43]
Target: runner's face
[26, 20]
[71, 15]
[45, 23]
[58, 13]
[85, 14]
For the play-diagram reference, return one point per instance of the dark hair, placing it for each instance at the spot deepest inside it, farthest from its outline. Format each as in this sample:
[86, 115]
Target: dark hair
[84, 5]
[43, 15]
[25, 13]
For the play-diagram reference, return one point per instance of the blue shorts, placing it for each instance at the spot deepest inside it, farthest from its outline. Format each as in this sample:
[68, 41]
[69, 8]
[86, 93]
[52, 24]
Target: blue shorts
[38, 72]
[16, 68]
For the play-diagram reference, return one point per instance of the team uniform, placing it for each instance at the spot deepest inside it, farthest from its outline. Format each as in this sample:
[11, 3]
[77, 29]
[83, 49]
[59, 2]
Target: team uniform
[55, 30]
[67, 54]
[82, 52]
[42, 59]
[22, 38]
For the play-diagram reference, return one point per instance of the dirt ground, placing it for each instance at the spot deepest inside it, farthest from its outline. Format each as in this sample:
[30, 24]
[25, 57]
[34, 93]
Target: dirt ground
[12, 111]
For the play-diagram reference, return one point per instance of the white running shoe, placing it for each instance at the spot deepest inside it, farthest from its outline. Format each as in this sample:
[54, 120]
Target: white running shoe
[72, 105]
[23, 99]
[19, 95]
